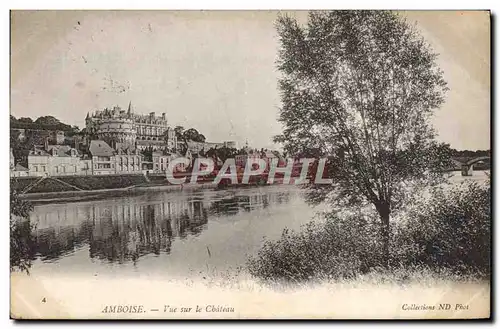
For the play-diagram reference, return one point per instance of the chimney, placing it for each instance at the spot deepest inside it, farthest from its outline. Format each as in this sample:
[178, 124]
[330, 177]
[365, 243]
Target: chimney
[152, 114]
[46, 144]
[163, 116]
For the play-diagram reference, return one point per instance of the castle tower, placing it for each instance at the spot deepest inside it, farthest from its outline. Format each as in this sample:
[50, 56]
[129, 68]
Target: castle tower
[130, 110]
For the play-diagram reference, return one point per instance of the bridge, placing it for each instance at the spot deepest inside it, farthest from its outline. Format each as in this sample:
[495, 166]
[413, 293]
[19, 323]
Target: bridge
[468, 167]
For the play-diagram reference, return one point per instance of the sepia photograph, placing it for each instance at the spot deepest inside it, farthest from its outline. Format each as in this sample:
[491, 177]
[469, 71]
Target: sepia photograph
[250, 164]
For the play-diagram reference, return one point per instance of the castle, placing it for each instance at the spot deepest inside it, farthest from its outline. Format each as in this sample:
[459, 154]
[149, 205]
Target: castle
[125, 129]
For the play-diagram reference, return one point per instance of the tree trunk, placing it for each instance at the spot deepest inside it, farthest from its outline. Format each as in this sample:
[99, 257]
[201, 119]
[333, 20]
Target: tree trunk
[384, 213]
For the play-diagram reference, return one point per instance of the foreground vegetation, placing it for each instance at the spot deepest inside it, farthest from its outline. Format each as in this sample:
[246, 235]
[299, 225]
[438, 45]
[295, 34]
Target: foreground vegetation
[21, 238]
[447, 232]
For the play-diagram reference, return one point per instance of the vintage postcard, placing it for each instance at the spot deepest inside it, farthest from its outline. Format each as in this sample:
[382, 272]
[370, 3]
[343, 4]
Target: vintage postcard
[250, 164]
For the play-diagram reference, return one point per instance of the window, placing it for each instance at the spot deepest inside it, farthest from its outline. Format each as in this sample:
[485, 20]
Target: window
[43, 168]
[57, 169]
[36, 168]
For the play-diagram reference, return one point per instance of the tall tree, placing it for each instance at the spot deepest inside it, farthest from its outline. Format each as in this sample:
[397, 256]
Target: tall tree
[179, 132]
[360, 87]
[193, 135]
[182, 145]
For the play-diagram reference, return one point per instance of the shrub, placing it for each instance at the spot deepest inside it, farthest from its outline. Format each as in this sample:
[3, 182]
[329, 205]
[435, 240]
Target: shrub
[447, 232]
[334, 248]
[450, 229]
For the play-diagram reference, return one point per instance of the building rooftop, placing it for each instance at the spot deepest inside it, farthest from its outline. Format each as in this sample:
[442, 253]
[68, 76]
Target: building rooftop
[18, 167]
[38, 152]
[100, 148]
[61, 150]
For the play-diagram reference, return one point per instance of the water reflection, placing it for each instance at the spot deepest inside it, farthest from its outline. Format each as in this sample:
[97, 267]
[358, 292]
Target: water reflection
[125, 229]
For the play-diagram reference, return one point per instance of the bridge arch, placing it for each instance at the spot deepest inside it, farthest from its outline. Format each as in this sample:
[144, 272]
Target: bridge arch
[468, 167]
[473, 161]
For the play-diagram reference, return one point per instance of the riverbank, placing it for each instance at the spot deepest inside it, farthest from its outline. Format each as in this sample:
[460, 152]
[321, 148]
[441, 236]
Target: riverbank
[77, 188]
[88, 195]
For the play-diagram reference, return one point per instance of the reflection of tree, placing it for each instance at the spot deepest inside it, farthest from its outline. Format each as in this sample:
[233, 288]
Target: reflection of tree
[51, 243]
[109, 241]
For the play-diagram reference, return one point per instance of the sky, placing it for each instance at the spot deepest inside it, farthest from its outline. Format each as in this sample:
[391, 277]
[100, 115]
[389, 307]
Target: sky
[213, 70]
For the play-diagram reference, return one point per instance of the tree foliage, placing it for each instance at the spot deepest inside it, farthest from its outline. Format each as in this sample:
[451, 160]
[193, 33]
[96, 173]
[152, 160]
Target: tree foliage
[223, 153]
[360, 87]
[21, 239]
[193, 135]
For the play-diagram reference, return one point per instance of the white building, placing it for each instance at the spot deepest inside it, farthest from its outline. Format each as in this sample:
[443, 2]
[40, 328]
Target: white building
[57, 160]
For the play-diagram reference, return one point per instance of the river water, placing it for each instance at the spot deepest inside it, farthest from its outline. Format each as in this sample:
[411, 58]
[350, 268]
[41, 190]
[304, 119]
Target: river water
[174, 234]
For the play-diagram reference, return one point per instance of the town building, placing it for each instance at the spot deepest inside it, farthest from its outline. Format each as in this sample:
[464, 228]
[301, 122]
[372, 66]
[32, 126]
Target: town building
[197, 147]
[241, 159]
[103, 158]
[254, 154]
[160, 161]
[19, 171]
[57, 160]
[56, 137]
[128, 161]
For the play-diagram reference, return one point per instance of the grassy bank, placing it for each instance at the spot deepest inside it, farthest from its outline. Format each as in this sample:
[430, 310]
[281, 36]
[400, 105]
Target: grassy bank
[76, 183]
[446, 233]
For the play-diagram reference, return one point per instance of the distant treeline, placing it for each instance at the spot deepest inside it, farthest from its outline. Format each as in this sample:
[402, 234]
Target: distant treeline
[470, 154]
[42, 123]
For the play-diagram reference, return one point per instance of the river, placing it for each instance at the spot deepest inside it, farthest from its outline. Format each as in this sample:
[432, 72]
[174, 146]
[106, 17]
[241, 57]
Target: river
[172, 234]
